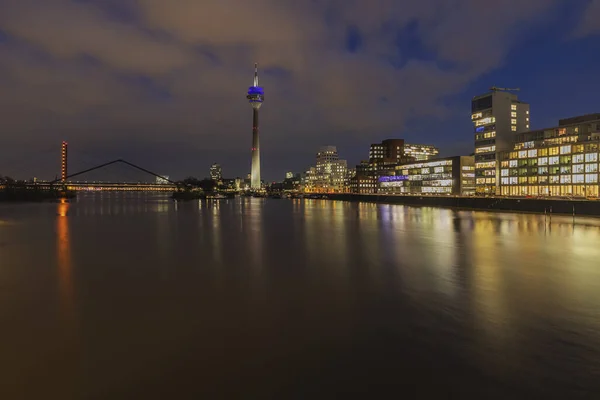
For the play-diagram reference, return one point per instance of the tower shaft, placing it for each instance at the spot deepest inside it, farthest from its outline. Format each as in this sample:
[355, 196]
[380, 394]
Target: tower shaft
[64, 162]
[255, 171]
[255, 97]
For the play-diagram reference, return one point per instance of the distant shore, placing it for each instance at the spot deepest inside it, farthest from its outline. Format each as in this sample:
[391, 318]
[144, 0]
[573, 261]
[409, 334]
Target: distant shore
[529, 205]
[23, 194]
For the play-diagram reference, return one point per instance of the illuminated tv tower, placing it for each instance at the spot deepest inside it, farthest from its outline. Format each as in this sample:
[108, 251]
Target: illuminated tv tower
[64, 162]
[256, 96]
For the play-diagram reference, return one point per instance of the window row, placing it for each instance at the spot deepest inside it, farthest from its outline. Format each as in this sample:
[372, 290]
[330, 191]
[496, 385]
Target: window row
[562, 179]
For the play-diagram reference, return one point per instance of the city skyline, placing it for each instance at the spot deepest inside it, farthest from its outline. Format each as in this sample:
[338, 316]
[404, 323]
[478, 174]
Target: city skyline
[159, 85]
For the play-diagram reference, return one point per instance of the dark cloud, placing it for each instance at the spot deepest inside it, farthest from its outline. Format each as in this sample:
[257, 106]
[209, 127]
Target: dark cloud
[167, 78]
[590, 23]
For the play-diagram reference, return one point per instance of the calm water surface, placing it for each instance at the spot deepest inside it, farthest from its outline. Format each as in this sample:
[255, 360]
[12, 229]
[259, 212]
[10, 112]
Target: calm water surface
[136, 296]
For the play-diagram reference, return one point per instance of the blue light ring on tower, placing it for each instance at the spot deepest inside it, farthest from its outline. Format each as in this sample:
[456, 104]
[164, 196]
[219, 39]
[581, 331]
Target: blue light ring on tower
[256, 90]
[256, 94]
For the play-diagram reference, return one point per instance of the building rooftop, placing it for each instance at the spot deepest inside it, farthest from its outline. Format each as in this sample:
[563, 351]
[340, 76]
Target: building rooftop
[579, 119]
[567, 122]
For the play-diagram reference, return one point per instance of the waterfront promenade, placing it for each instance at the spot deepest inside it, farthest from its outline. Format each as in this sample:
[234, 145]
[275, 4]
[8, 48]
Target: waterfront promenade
[513, 204]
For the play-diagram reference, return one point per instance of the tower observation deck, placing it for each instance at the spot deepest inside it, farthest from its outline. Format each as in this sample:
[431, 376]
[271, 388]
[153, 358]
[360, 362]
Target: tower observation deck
[256, 95]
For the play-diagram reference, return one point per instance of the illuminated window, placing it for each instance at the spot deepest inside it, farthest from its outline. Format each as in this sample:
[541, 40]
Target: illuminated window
[513, 107]
[577, 168]
[527, 126]
[513, 180]
[591, 167]
[532, 153]
[553, 160]
[542, 170]
[553, 151]
[486, 149]
[576, 179]
[591, 178]
[504, 172]
[476, 115]
[485, 121]
[523, 154]
[513, 128]
[513, 121]
[543, 161]
[566, 178]
[480, 181]
[527, 112]
[591, 157]
[504, 181]
[527, 119]
[512, 163]
[513, 114]
[577, 158]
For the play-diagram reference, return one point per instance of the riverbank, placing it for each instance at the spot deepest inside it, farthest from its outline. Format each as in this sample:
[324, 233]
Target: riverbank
[540, 206]
[21, 194]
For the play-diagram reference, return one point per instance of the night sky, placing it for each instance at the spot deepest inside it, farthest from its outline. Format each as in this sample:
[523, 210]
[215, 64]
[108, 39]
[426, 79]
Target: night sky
[162, 83]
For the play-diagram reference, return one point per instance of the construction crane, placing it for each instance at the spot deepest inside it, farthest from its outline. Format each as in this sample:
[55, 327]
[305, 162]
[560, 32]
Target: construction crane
[501, 89]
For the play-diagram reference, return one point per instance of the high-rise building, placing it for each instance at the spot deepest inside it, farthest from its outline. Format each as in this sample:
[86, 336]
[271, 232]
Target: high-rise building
[216, 173]
[255, 96]
[497, 117]
[64, 161]
[390, 150]
[420, 152]
[162, 180]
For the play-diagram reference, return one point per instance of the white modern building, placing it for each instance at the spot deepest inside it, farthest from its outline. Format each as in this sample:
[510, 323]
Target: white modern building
[329, 174]
[497, 117]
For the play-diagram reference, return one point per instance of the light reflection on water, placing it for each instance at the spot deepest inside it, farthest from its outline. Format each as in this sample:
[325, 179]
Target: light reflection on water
[294, 297]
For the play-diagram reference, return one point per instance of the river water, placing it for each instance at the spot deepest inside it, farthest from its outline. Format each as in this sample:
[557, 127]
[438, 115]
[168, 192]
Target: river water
[136, 296]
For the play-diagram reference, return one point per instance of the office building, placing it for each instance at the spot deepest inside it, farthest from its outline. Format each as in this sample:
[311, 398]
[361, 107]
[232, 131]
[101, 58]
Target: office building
[216, 173]
[558, 161]
[329, 174]
[451, 175]
[420, 152]
[497, 117]
[384, 156]
[388, 150]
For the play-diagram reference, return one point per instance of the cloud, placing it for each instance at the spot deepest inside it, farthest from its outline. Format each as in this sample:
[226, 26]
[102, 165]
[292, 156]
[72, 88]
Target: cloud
[104, 71]
[589, 24]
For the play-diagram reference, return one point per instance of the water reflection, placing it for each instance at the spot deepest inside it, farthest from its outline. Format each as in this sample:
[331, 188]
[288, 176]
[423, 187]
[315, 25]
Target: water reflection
[63, 253]
[241, 289]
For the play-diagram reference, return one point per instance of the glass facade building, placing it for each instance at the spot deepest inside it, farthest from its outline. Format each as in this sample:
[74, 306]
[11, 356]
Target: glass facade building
[452, 175]
[420, 152]
[559, 161]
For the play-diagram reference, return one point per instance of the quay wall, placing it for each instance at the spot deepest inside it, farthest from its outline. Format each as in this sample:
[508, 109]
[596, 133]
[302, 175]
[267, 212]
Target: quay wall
[555, 206]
